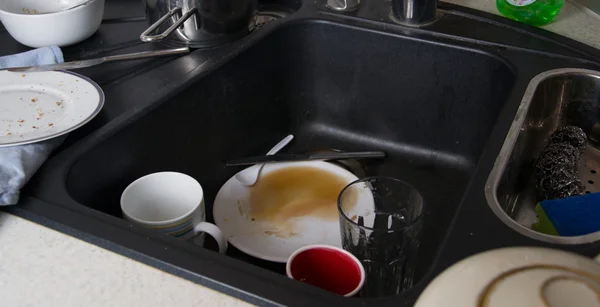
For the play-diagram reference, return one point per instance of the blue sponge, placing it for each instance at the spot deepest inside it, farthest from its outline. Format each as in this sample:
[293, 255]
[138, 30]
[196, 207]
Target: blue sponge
[575, 215]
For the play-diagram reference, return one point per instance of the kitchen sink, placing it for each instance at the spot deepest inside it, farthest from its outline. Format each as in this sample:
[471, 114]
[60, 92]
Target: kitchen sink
[439, 100]
[431, 108]
[554, 99]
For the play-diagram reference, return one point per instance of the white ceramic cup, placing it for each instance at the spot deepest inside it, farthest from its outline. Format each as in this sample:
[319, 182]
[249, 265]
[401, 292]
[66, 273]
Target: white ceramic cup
[172, 203]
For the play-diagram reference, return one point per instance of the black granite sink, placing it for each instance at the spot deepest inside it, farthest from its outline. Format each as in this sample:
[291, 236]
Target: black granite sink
[439, 100]
[430, 107]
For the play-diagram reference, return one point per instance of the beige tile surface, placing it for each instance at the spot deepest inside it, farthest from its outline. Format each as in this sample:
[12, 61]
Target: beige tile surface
[42, 267]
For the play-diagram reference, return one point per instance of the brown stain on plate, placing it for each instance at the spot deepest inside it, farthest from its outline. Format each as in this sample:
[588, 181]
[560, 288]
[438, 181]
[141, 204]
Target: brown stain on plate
[294, 192]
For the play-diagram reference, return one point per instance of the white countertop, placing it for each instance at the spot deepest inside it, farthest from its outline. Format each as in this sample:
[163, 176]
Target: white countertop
[42, 267]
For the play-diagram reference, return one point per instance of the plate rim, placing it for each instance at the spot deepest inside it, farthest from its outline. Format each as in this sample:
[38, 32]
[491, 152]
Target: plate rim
[100, 105]
[264, 256]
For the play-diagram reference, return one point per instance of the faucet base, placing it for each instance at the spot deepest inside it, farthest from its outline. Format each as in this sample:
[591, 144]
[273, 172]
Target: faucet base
[410, 24]
[415, 13]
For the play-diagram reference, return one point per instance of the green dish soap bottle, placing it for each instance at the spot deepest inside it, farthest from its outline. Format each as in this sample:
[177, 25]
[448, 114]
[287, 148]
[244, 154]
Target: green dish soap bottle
[534, 12]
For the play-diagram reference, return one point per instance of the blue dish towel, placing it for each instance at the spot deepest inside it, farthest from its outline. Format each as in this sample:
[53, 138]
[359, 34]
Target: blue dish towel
[19, 163]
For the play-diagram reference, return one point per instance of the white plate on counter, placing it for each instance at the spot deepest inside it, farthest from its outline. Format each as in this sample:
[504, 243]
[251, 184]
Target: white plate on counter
[43, 105]
[275, 240]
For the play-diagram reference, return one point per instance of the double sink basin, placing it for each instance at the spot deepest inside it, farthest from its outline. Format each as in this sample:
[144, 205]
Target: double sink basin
[438, 101]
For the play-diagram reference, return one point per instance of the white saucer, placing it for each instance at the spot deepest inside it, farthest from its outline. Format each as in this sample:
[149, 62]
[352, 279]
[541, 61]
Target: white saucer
[268, 240]
[514, 277]
[43, 105]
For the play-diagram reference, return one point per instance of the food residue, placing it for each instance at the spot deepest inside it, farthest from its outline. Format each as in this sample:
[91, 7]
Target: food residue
[30, 12]
[294, 192]
[50, 124]
[281, 233]
[58, 103]
[20, 121]
[23, 76]
[240, 209]
[8, 133]
[34, 99]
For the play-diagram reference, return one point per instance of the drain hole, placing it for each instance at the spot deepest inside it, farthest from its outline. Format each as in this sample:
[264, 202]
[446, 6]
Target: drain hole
[265, 17]
[587, 192]
[593, 171]
[591, 181]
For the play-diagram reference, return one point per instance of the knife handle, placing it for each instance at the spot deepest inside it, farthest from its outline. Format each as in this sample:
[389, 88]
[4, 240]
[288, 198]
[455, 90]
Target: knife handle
[347, 155]
[303, 157]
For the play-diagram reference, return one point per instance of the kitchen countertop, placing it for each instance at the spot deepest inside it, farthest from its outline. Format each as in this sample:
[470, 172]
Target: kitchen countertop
[66, 271]
[42, 267]
[574, 20]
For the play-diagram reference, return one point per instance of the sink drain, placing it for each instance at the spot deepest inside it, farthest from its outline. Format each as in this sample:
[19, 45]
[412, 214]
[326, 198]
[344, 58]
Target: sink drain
[265, 17]
[589, 169]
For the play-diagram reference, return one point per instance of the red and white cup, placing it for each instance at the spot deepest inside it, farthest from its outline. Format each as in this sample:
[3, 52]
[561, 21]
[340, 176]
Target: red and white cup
[327, 267]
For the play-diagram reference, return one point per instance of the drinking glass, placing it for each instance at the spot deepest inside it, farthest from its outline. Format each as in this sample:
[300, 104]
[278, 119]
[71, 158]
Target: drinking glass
[380, 223]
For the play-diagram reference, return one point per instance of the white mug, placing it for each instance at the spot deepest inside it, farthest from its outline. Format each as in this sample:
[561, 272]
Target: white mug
[172, 203]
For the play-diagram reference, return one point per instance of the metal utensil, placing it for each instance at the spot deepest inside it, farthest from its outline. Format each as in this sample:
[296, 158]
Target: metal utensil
[199, 23]
[249, 176]
[75, 6]
[63, 9]
[97, 61]
[307, 157]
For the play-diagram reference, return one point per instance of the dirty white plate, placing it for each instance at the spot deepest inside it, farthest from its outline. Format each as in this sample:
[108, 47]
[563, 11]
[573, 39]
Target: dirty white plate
[273, 241]
[43, 105]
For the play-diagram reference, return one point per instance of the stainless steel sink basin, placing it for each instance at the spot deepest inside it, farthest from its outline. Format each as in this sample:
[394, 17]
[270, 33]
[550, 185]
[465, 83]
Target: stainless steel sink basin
[553, 99]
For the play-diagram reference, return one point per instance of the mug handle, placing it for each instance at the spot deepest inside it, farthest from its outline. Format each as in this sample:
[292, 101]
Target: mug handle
[214, 232]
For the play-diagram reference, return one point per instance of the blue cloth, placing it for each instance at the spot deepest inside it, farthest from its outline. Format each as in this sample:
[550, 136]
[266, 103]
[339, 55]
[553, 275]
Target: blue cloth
[41, 56]
[19, 163]
[575, 215]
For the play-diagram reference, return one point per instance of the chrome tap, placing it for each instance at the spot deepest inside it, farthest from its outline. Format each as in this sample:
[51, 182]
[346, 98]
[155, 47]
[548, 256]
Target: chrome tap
[414, 12]
[343, 5]
[407, 12]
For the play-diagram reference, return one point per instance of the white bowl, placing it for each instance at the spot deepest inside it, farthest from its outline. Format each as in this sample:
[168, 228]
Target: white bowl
[22, 19]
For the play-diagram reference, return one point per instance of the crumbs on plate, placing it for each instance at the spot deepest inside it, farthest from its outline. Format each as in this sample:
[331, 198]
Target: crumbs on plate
[30, 12]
